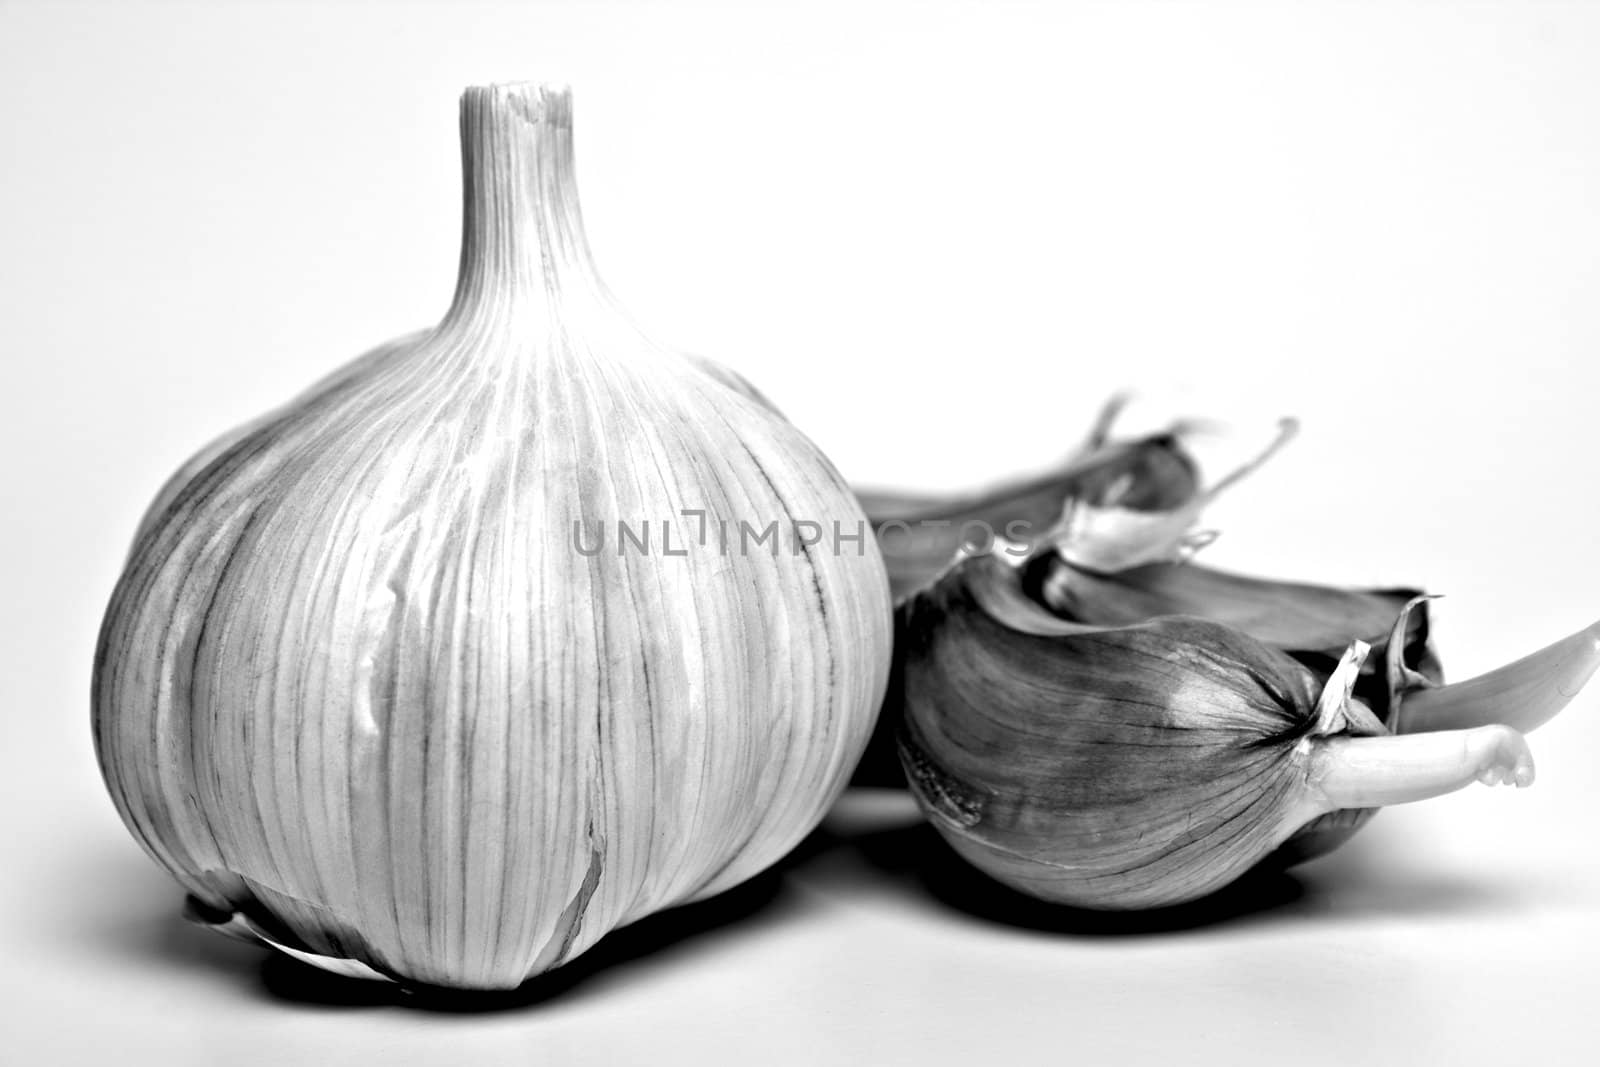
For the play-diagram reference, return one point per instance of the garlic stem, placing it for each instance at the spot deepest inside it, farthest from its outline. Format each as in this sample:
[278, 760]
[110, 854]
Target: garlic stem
[522, 233]
[1371, 772]
[1525, 694]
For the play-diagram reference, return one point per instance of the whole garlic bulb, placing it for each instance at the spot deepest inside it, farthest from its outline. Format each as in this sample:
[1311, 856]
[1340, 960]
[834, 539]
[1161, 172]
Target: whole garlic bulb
[508, 634]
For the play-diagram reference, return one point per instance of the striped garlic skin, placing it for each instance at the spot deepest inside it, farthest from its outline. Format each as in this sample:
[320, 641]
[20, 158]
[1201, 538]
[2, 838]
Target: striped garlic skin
[359, 684]
[1102, 767]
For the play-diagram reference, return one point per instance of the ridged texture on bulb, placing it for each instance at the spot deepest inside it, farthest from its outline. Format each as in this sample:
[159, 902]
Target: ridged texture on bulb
[1111, 767]
[368, 684]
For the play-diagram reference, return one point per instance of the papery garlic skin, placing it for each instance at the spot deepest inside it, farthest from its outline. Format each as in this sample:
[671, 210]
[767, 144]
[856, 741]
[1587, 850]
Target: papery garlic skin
[358, 685]
[1312, 623]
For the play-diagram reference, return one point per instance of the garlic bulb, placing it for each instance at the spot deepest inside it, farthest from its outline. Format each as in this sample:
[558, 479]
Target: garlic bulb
[1147, 764]
[508, 634]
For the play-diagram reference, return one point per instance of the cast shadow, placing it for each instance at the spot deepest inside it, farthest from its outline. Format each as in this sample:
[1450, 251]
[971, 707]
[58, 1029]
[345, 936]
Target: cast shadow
[903, 858]
[149, 927]
[919, 861]
[1370, 877]
[617, 957]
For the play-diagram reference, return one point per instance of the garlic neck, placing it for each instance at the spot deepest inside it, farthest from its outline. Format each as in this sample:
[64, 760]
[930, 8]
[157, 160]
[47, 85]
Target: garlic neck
[523, 249]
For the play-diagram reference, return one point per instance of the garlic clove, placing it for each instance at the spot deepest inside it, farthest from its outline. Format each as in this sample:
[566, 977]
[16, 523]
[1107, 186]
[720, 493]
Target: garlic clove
[329, 386]
[1145, 764]
[1524, 694]
[1126, 767]
[920, 534]
[1134, 497]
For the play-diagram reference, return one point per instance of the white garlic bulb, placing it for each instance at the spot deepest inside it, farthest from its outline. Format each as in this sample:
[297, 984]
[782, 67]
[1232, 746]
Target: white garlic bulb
[506, 635]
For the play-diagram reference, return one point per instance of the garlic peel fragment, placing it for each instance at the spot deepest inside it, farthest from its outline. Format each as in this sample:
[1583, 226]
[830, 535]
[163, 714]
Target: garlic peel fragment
[1524, 694]
[240, 928]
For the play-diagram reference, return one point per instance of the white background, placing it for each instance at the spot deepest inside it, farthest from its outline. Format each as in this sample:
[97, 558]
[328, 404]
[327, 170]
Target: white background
[938, 235]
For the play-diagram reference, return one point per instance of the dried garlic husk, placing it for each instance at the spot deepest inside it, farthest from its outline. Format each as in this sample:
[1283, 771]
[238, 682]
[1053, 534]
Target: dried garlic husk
[508, 634]
[1144, 765]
